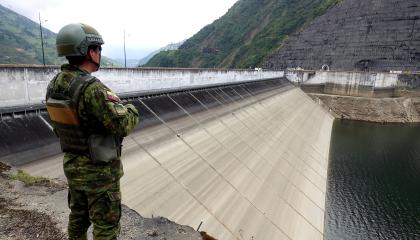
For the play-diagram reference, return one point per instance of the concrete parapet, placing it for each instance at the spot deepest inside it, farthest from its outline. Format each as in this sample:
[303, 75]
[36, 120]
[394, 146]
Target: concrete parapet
[365, 84]
[26, 85]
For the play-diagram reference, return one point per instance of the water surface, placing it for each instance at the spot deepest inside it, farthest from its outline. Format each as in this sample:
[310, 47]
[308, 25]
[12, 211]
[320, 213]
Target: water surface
[373, 181]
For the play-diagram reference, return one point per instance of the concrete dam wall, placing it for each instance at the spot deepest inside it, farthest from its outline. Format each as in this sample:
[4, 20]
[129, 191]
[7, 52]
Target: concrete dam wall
[22, 86]
[352, 83]
[246, 161]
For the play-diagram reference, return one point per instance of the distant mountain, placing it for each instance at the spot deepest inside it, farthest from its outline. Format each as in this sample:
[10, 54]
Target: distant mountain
[20, 41]
[169, 47]
[109, 62]
[245, 35]
[130, 62]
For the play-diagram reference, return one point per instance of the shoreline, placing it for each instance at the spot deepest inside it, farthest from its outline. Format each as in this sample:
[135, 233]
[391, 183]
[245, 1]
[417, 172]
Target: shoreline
[379, 110]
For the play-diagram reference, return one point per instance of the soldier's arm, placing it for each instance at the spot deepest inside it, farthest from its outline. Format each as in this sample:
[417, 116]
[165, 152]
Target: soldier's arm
[117, 118]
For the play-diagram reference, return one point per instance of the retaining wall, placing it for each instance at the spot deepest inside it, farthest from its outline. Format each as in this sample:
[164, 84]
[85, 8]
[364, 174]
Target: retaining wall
[366, 84]
[26, 85]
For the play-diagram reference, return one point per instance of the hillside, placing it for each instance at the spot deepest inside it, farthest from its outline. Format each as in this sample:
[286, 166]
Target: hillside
[169, 47]
[378, 35]
[20, 41]
[244, 35]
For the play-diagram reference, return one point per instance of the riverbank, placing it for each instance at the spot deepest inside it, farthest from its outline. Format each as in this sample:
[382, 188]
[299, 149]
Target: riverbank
[401, 109]
[36, 208]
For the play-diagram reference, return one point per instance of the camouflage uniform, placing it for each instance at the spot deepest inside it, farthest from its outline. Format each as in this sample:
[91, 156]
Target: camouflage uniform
[94, 191]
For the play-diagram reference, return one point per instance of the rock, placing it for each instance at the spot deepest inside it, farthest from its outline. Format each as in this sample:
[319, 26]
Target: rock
[370, 109]
[379, 35]
[152, 233]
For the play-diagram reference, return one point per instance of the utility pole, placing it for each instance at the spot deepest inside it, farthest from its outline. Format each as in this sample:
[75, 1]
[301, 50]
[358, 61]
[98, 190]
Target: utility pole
[42, 39]
[125, 56]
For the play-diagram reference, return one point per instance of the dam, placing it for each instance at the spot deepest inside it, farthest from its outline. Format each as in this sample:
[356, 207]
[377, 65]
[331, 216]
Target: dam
[238, 154]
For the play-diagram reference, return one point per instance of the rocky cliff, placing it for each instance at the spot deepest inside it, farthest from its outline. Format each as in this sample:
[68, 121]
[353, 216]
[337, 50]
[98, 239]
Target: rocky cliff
[379, 35]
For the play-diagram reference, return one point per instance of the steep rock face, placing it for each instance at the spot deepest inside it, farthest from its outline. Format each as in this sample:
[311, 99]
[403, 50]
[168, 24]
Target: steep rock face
[379, 35]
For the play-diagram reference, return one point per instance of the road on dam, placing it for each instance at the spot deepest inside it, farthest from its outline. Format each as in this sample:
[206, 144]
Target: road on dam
[245, 162]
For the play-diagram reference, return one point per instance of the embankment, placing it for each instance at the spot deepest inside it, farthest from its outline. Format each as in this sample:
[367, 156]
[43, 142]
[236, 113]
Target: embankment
[365, 96]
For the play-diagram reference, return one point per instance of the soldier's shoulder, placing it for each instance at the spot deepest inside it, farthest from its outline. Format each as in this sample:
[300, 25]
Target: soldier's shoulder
[97, 91]
[63, 79]
[95, 85]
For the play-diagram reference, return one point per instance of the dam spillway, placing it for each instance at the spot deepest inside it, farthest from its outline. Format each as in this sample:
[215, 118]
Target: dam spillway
[246, 161]
[235, 171]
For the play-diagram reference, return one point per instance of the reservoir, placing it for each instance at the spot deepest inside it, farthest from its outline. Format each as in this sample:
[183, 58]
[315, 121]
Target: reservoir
[373, 189]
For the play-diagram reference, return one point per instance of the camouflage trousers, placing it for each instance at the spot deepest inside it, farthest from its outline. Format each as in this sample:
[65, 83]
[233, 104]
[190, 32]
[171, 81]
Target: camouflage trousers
[101, 206]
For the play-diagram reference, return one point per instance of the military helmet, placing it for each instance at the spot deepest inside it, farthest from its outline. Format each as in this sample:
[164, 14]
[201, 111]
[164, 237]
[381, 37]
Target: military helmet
[74, 39]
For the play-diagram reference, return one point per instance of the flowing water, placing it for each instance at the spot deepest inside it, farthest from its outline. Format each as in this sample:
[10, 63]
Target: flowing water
[373, 181]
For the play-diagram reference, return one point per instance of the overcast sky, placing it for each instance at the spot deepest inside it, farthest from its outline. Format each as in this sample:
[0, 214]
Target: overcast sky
[149, 24]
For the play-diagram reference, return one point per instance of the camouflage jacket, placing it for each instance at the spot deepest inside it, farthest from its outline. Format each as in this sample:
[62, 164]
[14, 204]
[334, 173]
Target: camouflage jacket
[100, 108]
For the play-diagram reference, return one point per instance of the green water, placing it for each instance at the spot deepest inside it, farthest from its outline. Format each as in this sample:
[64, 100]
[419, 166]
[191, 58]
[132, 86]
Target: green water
[373, 189]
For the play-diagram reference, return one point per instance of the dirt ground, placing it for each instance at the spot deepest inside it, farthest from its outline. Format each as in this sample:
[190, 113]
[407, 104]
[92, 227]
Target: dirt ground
[39, 211]
[403, 109]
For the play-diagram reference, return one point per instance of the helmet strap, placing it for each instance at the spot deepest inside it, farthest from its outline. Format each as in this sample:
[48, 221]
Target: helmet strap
[97, 64]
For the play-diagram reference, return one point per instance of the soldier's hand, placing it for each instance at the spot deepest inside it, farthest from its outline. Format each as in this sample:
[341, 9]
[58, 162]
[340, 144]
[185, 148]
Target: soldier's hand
[130, 107]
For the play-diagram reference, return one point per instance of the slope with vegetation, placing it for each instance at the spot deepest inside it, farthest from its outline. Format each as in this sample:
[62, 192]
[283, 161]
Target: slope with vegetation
[249, 31]
[20, 41]
[171, 46]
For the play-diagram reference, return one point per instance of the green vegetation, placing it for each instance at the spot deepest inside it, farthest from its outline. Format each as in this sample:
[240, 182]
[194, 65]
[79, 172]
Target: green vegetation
[20, 42]
[26, 178]
[245, 35]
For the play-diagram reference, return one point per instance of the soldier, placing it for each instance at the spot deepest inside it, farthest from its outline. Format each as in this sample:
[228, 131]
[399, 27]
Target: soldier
[90, 121]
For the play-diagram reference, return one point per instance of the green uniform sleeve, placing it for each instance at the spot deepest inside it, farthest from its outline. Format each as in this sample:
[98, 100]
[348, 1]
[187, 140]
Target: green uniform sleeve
[105, 105]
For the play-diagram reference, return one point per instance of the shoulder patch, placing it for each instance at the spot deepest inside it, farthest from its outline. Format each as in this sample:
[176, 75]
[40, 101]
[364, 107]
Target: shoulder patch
[120, 110]
[110, 96]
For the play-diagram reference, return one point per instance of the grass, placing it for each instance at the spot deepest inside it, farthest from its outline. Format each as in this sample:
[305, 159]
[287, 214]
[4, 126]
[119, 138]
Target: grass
[26, 178]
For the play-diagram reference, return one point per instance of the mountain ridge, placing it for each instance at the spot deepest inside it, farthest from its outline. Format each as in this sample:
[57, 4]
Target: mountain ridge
[20, 41]
[245, 35]
[169, 47]
[369, 35]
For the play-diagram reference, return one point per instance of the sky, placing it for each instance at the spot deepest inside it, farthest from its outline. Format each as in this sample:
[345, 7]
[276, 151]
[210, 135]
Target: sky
[148, 24]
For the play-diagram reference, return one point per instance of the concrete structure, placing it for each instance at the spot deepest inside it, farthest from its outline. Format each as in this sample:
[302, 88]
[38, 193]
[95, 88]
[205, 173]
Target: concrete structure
[368, 84]
[252, 168]
[373, 79]
[21, 86]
